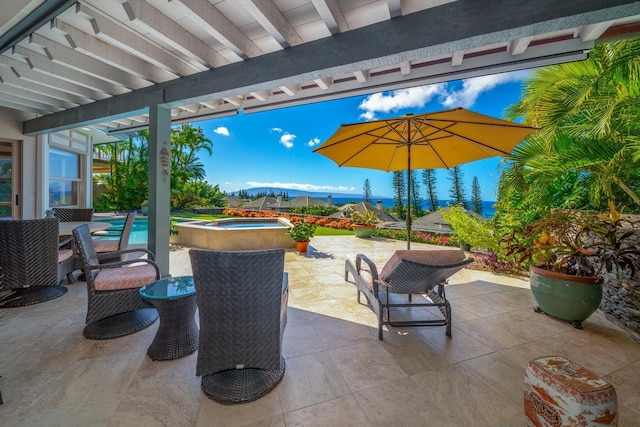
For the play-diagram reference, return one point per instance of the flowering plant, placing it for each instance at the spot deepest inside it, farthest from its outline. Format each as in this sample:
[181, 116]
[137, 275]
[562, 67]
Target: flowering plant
[364, 217]
[302, 231]
[580, 243]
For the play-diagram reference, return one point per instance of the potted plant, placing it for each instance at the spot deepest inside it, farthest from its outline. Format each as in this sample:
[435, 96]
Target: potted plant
[302, 232]
[144, 208]
[364, 223]
[570, 251]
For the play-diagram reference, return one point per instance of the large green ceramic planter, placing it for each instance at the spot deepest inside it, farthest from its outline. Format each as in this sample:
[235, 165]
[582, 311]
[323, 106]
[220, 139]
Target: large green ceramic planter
[564, 296]
[364, 231]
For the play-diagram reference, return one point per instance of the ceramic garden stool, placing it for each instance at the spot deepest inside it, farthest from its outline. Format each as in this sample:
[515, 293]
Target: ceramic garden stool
[558, 393]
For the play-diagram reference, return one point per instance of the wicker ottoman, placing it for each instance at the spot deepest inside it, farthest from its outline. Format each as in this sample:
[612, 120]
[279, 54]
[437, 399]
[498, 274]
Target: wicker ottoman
[558, 392]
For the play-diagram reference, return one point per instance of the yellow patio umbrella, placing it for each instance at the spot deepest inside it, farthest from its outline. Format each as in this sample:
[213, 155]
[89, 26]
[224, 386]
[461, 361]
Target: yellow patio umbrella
[441, 139]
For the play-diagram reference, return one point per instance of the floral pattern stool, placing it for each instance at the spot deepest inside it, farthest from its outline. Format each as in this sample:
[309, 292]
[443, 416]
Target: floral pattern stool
[558, 393]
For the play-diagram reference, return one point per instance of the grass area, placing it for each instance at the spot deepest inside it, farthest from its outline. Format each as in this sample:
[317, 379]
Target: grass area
[326, 231]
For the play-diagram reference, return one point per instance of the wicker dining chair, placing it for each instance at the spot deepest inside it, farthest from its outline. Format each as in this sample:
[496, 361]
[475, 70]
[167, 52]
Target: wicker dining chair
[112, 245]
[407, 273]
[73, 214]
[114, 305]
[242, 303]
[32, 264]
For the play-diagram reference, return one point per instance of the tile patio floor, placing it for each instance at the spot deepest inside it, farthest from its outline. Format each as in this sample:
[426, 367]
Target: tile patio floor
[338, 372]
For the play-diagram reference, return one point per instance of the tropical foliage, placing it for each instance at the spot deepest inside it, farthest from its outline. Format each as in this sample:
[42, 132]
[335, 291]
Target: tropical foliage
[126, 186]
[302, 231]
[364, 217]
[587, 150]
[471, 229]
[314, 210]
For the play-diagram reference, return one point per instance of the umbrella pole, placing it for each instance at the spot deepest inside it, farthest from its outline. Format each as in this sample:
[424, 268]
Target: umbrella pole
[409, 195]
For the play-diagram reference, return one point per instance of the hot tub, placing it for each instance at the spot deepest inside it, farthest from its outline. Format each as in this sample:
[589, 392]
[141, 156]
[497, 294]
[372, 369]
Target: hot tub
[235, 234]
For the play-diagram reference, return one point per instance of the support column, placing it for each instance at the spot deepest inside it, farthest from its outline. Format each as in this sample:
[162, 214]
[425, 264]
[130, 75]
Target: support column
[159, 184]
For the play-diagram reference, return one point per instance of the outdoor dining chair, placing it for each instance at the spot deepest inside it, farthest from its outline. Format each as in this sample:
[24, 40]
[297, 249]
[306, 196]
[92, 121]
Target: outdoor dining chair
[73, 214]
[32, 262]
[114, 305]
[407, 273]
[103, 245]
[242, 303]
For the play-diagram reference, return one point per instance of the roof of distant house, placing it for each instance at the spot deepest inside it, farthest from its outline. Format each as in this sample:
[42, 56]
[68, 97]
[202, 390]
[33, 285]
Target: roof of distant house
[345, 211]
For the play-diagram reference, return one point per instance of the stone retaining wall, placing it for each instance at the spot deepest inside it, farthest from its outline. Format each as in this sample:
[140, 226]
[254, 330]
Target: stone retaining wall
[621, 296]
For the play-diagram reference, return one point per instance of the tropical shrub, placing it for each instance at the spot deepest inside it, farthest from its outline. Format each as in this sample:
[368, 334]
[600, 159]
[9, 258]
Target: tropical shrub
[315, 210]
[471, 229]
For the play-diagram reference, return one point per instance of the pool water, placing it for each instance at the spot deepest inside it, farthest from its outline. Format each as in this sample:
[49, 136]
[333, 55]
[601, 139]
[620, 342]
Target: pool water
[139, 231]
[252, 224]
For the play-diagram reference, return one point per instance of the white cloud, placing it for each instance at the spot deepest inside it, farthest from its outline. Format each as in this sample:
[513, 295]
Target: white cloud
[474, 87]
[277, 130]
[287, 139]
[445, 93]
[415, 97]
[297, 186]
[222, 131]
[313, 142]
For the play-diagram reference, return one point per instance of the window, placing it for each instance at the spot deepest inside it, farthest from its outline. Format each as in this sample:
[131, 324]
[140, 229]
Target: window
[64, 178]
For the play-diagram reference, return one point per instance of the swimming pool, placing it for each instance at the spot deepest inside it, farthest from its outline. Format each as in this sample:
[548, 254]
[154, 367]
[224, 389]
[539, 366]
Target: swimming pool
[139, 231]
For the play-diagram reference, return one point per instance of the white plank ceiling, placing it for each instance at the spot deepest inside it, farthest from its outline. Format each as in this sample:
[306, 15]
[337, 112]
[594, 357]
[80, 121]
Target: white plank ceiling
[102, 62]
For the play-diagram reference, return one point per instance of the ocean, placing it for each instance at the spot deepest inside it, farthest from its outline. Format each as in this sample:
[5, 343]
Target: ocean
[487, 207]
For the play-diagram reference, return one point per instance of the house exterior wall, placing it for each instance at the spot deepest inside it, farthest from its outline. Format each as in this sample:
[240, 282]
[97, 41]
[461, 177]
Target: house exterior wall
[34, 164]
[11, 131]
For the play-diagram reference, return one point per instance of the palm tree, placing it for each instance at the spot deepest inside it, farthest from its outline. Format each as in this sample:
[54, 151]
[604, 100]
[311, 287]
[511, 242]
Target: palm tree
[186, 142]
[588, 145]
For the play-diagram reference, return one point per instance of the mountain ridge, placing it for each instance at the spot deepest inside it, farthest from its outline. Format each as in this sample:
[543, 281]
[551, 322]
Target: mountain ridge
[297, 193]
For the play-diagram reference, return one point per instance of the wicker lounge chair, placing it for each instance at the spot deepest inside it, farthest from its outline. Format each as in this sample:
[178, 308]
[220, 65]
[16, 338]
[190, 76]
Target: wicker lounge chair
[32, 265]
[73, 214]
[242, 301]
[115, 307]
[407, 272]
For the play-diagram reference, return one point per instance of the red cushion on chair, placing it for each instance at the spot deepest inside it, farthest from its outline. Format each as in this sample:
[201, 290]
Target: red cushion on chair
[64, 254]
[105, 245]
[125, 278]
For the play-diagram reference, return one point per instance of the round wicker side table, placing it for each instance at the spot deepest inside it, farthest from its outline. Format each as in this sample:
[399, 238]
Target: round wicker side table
[175, 300]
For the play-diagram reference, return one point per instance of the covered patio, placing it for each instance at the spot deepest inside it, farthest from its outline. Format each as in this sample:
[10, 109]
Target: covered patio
[338, 372]
[78, 73]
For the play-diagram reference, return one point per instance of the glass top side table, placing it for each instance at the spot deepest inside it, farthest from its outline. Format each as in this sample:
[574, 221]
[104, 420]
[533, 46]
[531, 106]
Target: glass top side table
[175, 300]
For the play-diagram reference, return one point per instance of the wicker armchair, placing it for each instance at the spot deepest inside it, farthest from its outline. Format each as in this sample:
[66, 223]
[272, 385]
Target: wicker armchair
[242, 301]
[408, 273]
[74, 214]
[122, 244]
[115, 307]
[32, 265]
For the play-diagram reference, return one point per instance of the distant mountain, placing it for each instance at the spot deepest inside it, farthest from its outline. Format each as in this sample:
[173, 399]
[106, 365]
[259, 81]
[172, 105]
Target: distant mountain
[297, 193]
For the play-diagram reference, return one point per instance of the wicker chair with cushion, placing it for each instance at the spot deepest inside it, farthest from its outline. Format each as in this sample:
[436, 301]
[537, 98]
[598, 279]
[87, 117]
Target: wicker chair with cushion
[73, 214]
[242, 301]
[32, 265]
[115, 307]
[408, 273]
[111, 245]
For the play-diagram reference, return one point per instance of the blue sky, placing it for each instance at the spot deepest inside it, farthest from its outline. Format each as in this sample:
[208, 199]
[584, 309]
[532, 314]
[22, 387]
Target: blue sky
[274, 148]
